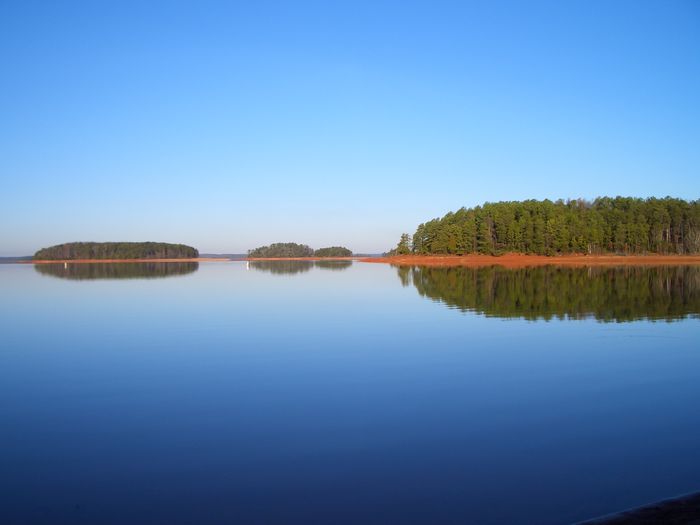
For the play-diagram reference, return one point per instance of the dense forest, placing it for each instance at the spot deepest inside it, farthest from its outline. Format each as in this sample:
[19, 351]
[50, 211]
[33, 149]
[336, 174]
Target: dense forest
[282, 249]
[292, 249]
[137, 270]
[333, 251]
[545, 292]
[621, 225]
[116, 250]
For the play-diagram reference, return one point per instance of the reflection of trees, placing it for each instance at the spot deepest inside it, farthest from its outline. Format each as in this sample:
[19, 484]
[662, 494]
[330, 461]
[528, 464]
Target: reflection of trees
[333, 265]
[292, 267]
[404, 275]
[140, 270]
[545, 292]
[280, 267]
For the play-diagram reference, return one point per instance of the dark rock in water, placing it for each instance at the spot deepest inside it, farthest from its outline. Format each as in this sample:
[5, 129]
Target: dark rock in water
[684, 510]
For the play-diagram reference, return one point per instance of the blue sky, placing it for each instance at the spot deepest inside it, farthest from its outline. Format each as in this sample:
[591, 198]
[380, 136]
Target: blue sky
[230, 125]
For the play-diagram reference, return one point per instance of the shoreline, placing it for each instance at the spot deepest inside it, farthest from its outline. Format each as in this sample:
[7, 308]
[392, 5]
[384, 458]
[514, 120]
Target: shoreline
[191, 259]
[349, 258]
[93, 261]
[508, 260]
[521, 261]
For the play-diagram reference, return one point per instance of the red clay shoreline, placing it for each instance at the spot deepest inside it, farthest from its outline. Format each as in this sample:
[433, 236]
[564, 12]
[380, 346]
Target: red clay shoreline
[192, 259]
[92, 261]
[351, 258]
[514, 260]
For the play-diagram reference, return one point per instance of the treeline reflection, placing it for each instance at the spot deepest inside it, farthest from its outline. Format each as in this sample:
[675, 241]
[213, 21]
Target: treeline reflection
[292, 267]
[140, 270]
[617, 294]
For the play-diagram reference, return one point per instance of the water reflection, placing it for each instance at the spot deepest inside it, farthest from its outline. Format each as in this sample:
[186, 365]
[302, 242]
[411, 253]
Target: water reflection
[280, 267]
[333, 265]
[607, 294]
[140, 270]
[293, 267]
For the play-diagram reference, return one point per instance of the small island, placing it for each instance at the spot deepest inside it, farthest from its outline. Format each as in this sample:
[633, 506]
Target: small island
[281, 250]
[292, 250]
[115, 251]
[333, 251]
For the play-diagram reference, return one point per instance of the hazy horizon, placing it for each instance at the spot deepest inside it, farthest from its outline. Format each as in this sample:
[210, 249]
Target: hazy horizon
[227, 127]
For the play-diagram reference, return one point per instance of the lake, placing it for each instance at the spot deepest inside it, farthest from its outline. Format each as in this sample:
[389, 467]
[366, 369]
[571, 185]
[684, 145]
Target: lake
[340, 392]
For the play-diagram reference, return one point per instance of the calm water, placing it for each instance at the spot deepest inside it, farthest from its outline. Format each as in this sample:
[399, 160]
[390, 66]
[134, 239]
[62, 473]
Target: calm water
[344, 393]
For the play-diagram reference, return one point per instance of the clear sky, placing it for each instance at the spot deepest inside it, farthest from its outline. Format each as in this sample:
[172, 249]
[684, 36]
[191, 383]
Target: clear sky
[234, 124]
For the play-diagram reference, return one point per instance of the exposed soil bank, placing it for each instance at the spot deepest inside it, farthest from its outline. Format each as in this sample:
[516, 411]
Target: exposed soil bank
[521, 261]
[299, 259]
[508, 260]
[683, 510]
[89, 261]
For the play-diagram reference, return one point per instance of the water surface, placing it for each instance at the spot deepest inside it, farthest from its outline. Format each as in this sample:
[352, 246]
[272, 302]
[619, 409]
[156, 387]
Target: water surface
[260, 394]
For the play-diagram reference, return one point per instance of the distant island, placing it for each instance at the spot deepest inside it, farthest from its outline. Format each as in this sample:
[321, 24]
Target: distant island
[620, 225]
[333, 251]
[115, 250]
[287, 250]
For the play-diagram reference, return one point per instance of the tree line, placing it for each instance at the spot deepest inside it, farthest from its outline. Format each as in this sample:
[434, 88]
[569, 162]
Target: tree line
[117, 250]
[292, 249]
[622, 225]
[333, 251]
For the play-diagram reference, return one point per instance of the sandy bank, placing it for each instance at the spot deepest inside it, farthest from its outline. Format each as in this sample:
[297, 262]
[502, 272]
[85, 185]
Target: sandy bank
[508, 260]
[298, 259]
[520, 261]
[89, 261]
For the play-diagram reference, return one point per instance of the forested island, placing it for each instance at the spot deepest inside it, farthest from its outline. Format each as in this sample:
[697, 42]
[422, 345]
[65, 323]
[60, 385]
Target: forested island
[286, 250]
[620, 225]
[333, 251]
[116, 250]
